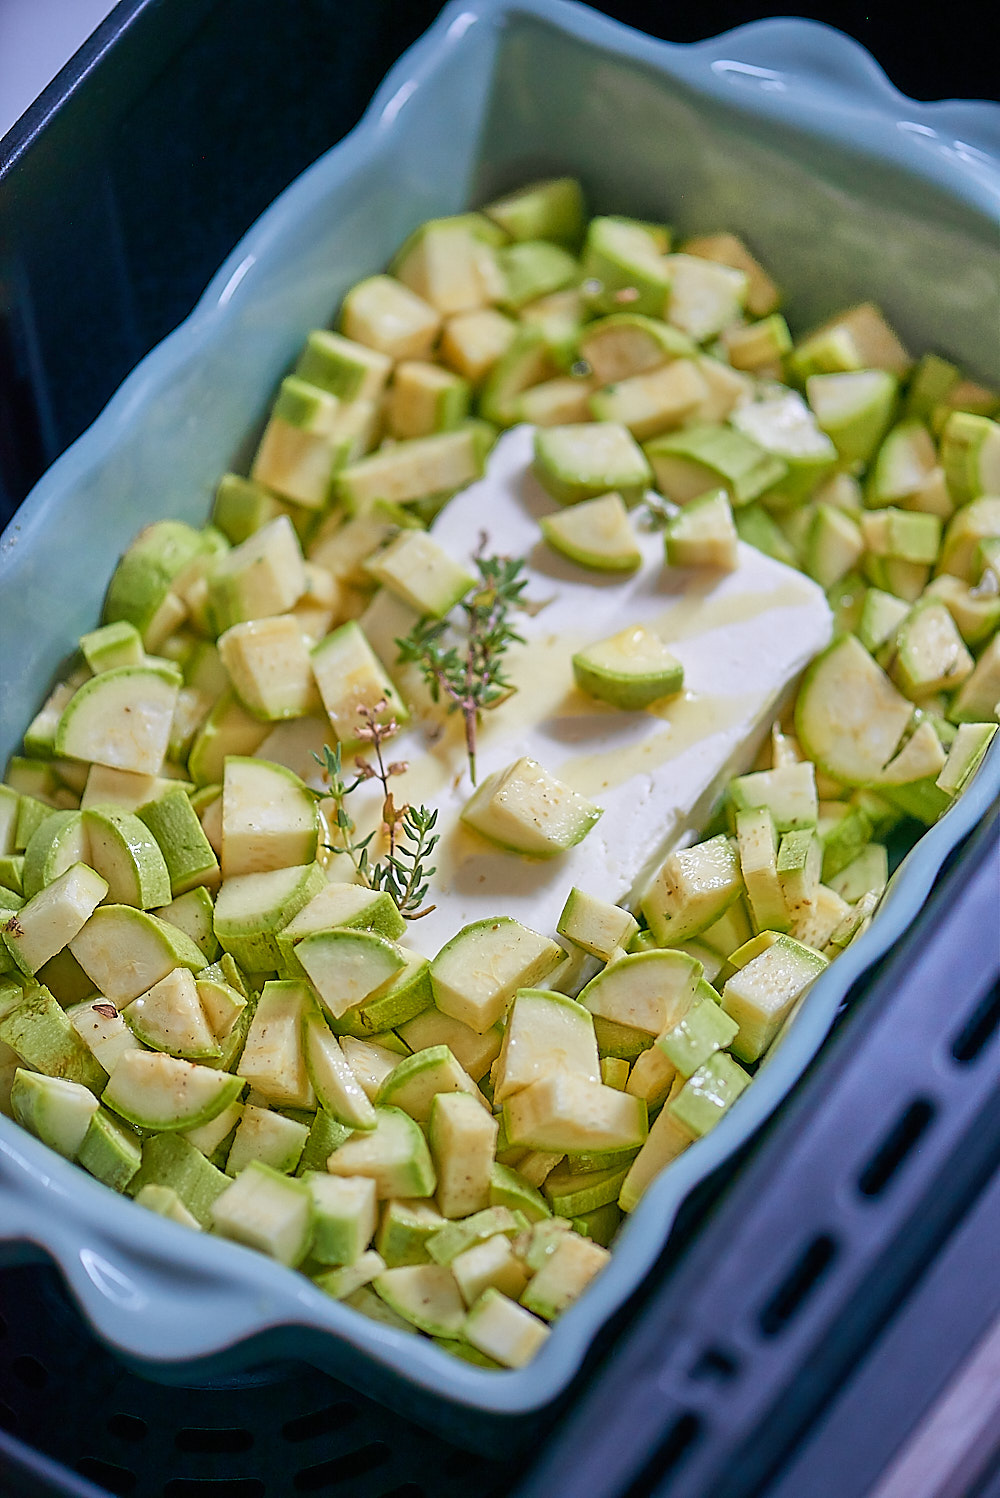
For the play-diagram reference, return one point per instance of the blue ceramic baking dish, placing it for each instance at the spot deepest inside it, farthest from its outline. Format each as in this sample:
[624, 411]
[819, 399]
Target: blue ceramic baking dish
[783, 131]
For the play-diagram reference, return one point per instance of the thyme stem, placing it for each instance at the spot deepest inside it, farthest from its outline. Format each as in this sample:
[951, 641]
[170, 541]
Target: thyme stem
[470, 674]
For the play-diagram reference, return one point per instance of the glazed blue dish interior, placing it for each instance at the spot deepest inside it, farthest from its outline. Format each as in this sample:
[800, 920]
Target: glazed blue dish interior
[783, 132]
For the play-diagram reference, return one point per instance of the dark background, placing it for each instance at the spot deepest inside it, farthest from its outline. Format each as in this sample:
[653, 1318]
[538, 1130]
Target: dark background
[130, 180]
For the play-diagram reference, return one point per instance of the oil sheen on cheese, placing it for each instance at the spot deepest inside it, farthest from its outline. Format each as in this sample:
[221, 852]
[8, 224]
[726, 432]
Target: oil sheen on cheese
[742, 637]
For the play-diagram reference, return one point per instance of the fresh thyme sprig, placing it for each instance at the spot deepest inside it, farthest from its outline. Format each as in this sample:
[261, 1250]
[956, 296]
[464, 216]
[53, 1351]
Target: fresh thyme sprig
[408, 829]
[337, 790]
[471, 674]
[375, 729]
[404, 875]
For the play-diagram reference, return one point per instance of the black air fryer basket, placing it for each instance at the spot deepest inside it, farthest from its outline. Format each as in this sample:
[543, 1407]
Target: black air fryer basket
[825, 1322]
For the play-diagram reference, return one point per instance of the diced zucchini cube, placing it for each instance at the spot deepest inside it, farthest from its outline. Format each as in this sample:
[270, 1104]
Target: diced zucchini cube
[565, 1112]
[252, 910]
[758, 347]
[905, 535]
[477, 973]
[854, 408]
[370, 1061]
[325, 1135]
[110, 1151]
[165, 1201]
[761, 994]
[269, 1137]
[705, 1029]
[462, 1135]
[705, 296]
[404, 1230]
[631, 670]
[169, 1160]
[473, 343]
[154, 1091]
[869, 870]
[708, 455]
[337, 1087]
[267, 1211]
[643, 991]
[703, 534]
[762, 294]
[189, 856]
[102, 1030]
[833, 545]
[551, 209]
[921, 757]
[504, 1330]
[595, 925]
[345, 368]
[789, 793]
[350, 1280]
[383, 314]
[595, 533]
[977, 698]
[559, 402]
[53, 917]
[121, 718]
[126, 854]
[262, 576]
[270, 819]
[424, 398]
[533, 268]
[353, 682]
[169, 1017]
[658, 400]
[800, 863]
[525, 808]
[425, 1295]
[758, 850]
[345, 1215]
[273, 1059]
[347, 966]
[454, 1238]
[302, 447]
[784, 426]
[474, 1052]
[574, 463]
[509, 1188]
[708, 1093]
[564, 1276]
[54, 1109]
[242, 507]
[527, 361]
[970, 455]
[930, 653]
[668, 1138]
[624, 264]
[859, 338]
[975, 524]
[491, 1263]
[450, 262]
[856, 741]
[967, 752]
[420, 572]
[394, 1155]
[268, 663]
[117, 644]
[692, 889]
[420, 1078]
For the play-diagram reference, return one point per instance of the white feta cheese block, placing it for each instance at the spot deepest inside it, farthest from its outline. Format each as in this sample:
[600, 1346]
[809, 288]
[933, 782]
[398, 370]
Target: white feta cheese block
[742, 637]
